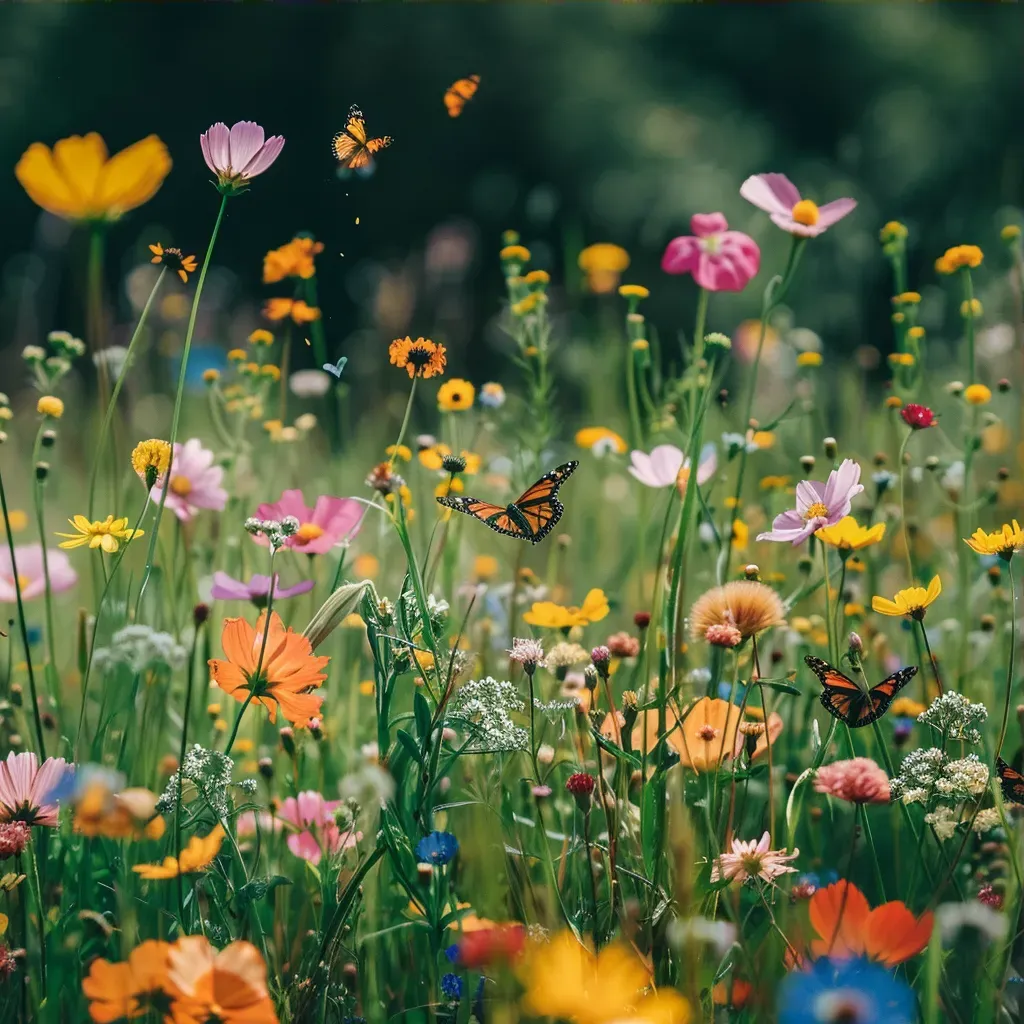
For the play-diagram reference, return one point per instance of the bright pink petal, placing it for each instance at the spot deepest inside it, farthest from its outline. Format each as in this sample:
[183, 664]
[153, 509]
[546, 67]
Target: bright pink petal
[227, 589]
[681, 255]
[290, 503]
[246, 141]
[835, 211]
[705, 224]
[304, 845]
[265, 157]
[773, 193]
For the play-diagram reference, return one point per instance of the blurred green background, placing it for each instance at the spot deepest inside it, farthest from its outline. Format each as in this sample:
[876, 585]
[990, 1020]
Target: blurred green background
[594, 122]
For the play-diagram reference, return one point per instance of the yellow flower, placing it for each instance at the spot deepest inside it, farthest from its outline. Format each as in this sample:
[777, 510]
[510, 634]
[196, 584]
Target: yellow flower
[446, 487]
[893, 402]
[977, 394]
[103, 534]
[366, 566]
[50, 405]
[198, 855]
[528, 303]
[603, 264]
[174, 259]
[639, 344]
[957, 257]
[419, 358]
[455, 395]
[910, 601]
[901, 359]
[852, 610]
[763, 438]
[1010, 233]
[973, 308]
[600, 440]
[537, 277]
[775, 483]
[485, 567]
[261, 336]
[849, 535]
[917, 333]
[893, 231]
[907, 707]
[271, 371]
[549, 615]
[16, 520]
[399, 451]
[151, 460]
[77, 180]
[514, 254]
[294, 259]
[238, 355]
[299, 311]
[740, 535]
[211, 376]
[633, 291]
[1005, 542]
[809, 359]
[907, 298]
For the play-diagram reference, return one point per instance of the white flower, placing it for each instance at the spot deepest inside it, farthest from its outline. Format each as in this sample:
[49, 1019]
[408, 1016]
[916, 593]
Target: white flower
[309, 383]
[953, 479]
[954, 716]
[699, 930]
[952, 917]
[113, 357]
[484, 706]
[943, 821]
[987, 819]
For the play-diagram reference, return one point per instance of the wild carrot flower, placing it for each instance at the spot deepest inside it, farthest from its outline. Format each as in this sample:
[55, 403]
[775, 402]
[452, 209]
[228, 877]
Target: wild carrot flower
[328, 523]
[228, 985]
[151, 459]
[817, 505]
[858, 780]
[779, 198]
[667, 465]
[918, 417]
[848, 535]
[420, 358]
[455, 395]
[79, 182]
[227, 588]
[746, 606]
[718, 259]
[106, 534]
[173, 259]
[752, 859]
[198, 855]
[26, 788]
[288, 673]
[131, 988]
[603, 263]
[239, 154]
[600, 440]
[195, 482]
[31, 580]
[315, 821]
[296, 310]
[548, 615]
[1005, 542]
[910, 601]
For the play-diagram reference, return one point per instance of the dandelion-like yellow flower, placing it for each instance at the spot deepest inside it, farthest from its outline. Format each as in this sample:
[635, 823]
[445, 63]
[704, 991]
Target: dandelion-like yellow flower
[901, 359]
[959, 257]
[174, 259]
[809, 359]
[1004, 542]
[893, 402]
[105, 533]
[907, 298]
[603, 264]
[237, 355]
[1010, 233]
[977, 394]
[528, 304]
[917, 333]
[399, 451]
[420, 358]
[261, 336]
[849, 535]
[211, 376]
[514, 254]
[893, 231]
[910, 601]
[972, 309]
[537, 277]
[775, 483]
[639, 344]
[151, 459]
[455, 395]
[634, 291]
[50, 405]
[271, 371]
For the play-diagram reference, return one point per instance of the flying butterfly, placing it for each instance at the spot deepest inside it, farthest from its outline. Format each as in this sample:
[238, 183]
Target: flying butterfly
[1010, 781]
[532, 516]
[352, 147]
[842, 698]
[459, 93]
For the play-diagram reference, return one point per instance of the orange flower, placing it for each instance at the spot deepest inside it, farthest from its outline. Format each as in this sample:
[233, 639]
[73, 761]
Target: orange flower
[280, 309]
[769, 734]
[289, 670]
[849, 928]
[707, 734]
[174, 259]
[130, 989]
[198, 855]
[292, 260]
[229, 985]
[421, 358]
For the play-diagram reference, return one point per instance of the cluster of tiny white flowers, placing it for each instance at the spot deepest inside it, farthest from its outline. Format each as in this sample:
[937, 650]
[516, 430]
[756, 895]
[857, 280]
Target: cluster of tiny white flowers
[943, 821]
[927, 774]
[963, 779]
[987, 819]
[209, 771]
[955, 717]
[486, 706]
[917, 775]
[139, 647]
[565, 655]
[277, 531]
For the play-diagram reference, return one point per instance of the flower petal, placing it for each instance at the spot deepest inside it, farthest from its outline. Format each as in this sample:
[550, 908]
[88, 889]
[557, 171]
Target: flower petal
[246, 141]
[265, 157]
[133, 176]
[835, 211]
[45, 184]
[773, 193]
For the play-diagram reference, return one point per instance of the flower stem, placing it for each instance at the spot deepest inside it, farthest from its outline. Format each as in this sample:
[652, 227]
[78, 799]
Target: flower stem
[1010, 660]
[405, 425]
[190, 679]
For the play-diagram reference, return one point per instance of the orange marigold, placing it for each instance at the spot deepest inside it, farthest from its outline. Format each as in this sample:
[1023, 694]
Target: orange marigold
[227, 985]
[421, 358]
[295, 259]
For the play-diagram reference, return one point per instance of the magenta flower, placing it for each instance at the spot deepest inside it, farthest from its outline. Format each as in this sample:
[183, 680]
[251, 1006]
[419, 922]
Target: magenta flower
[665, 463]
[237, 155]
[719, 260]
[194, 481]
[26, 788]
[227, 588]
[329, 522]
[31, 581]
[817, 505]
[318, 832]
[779, 198]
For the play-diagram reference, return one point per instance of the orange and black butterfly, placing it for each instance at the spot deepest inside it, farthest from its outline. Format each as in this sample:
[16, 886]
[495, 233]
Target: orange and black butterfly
[351, 146]
[459, 93]
[532, 516]
[842, 698]
[1010, 781]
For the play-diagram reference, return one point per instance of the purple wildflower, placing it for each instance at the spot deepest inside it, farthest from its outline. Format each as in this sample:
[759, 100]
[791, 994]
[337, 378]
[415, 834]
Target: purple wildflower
[817, 505]
[226, 588]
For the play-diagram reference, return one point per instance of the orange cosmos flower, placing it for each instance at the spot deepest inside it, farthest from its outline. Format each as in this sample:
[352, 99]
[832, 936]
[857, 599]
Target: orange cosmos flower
[127, 990]
[289, 671]
[281, 309]
[229, 985]
[849, 928]
[198, 855]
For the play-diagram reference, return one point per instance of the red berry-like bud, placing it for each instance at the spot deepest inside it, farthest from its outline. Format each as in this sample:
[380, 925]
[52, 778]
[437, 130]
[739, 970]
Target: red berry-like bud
[917, 416]
[581, 786]
[642, 620]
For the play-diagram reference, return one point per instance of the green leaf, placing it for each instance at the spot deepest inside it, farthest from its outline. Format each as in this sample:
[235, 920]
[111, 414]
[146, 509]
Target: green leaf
[259, 888]
[421, 709]
[410, 745]
[781, 686]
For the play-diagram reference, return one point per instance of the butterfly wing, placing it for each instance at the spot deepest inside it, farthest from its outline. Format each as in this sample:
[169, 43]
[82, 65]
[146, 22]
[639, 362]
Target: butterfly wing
[494, 516]
[350, 145]
[1010, 781]
[460, 93]
[539, 504]
[376, 145]
[881, 696]
[840, 696]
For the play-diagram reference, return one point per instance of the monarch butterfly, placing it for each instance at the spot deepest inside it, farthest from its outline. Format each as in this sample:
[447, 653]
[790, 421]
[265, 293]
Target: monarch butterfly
[353, 150]
[842, 698]
[459, 93]
[1010, 781]
[532, 516]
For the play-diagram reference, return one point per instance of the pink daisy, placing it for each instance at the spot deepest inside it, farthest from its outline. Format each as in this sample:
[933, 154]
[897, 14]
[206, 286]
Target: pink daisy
[817, 505]
[779, 198]
[31, 581]
[720, 260]
[318, 831]
[26, 788]
[752, 859]
[327, 523]
[195, 482]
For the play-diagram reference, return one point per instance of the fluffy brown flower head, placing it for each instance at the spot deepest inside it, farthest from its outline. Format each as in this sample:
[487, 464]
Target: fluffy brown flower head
[858, 780]
[420, 358]
[745, 605]
[642, 620]
[622, 645]
[14, 837]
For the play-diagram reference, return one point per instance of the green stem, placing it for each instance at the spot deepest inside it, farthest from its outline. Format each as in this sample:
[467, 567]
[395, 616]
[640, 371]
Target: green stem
[968, 318]
[50, 675]
[1010, 660]
[405, 425]
[903, 509]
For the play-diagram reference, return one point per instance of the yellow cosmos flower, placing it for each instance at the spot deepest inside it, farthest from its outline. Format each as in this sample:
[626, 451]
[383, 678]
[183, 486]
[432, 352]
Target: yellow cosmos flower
[446, 487]
[600, 440]
[455, 395]
[77, 180]
[399, 451]
[549, 615]
[198, 855]
[959, 256]
[849, 535]
[1004, 542]
[103, 534]
[910, 601]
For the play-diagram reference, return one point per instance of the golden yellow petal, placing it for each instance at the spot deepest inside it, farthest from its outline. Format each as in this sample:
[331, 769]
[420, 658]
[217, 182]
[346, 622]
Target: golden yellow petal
[133, 176]
[46, 186]
[884, 606]
[80, 162]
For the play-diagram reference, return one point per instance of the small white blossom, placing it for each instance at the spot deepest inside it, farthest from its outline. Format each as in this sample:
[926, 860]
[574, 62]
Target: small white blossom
[952, 917]
[986, 819]
[955, 717]
[943, 821]
[486, 706]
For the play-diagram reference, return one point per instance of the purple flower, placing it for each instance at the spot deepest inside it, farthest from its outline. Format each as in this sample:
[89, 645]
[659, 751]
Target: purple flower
[238, 154]
[719, 260]
[663, 466]
[778, 197]
[817, 505]
[226, 588]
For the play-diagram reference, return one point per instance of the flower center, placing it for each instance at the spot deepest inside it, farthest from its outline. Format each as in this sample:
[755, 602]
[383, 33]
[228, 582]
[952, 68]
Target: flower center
[419, 356]
[181, 486]
[707, 733]
[23, 582]
[805, 212]
[709, 243]
[752, 864]
[307, 532]
[841, 1006]
[816, 511]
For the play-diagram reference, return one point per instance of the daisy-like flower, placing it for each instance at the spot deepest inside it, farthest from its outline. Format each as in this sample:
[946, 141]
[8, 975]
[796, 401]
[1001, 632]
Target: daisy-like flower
[296, 310]
[106, 533]
[817, 505]
[239, 154]
[455, 395]
[329, 522]
[288, 673]
[959, 257]
[910, 601]
[601, 440]
[227, 985]
[26, 787]
[752, 859]
[849, 535]
[779, 198]
[744, 606]
[195, 482]
[173, 259]
[549, 615]
[31, 579]
[419, 358]
[295, 259]
[198, 855]
[1004, 542]
[668, 465]
[131, 988]
[858, 780]
[718, 259]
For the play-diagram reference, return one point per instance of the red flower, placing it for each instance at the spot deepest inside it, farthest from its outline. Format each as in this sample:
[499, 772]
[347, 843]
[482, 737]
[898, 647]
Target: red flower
[501, 944]
[580, 784]
[917, 416]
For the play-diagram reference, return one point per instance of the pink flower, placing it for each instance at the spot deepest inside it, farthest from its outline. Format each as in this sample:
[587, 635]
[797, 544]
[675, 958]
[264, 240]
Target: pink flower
[817, 505]
[752, 859]
[778, 197]
[194, 481]
[329, 522]
[26, 788]
[859, 780]
[719, 259]
[227, 588]
[662, 468]
[31, 581]
[237, 155]
[318, 831]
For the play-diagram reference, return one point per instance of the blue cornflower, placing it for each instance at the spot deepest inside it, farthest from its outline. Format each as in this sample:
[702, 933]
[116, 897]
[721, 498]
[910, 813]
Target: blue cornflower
[451, 987]
[845, 992]
[452, 952]
[437, 848]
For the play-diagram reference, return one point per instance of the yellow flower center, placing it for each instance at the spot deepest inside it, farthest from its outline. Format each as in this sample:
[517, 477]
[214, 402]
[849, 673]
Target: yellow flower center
[805, 212]
[816, 511]
[23, 582]
[307, 532]
[181, 486]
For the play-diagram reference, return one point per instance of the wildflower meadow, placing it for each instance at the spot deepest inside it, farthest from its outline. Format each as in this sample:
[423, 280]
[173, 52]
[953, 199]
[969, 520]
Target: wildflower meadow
[694, 699]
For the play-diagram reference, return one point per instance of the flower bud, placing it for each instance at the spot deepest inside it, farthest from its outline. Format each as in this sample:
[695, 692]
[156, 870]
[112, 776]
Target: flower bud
[807, 463]
[831, 447]
[49, 438]
[288, 740]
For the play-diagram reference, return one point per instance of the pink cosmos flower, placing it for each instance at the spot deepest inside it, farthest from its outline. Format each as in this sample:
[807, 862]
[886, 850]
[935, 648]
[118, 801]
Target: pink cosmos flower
[318, 831]
[31, 581]
[226, 588]
[329, 522]
[752, 859]
[817, 505]
[26, 788]
[195, 482]
[238, 154]
[665, 463]
[779, 198]
[859, 780]
[719, 260]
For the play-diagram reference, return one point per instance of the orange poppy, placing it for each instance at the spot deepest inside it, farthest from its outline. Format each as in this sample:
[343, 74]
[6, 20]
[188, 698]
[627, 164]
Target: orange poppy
[130, 989]
[849, 928]
[288, 672]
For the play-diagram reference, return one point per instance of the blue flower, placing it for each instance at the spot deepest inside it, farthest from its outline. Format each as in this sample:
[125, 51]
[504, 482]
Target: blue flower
[845, 992]
[35, 635]
[452, 952]
[451, 986]
[437, 848]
